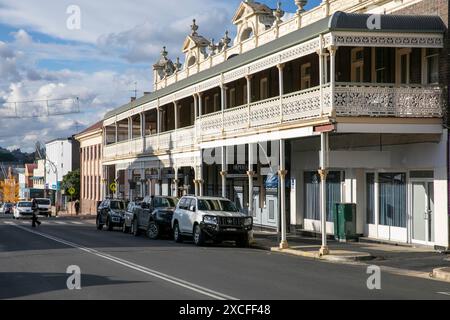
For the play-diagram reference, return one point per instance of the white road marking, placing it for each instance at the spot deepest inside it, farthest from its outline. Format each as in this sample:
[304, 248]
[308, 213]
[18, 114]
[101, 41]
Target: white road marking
[165, 277]
[444, 293]
[76, 222]
[9, 222]
[61, 223]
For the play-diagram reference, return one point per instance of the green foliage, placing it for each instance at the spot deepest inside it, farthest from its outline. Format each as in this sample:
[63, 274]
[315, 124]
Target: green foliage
[72, 179]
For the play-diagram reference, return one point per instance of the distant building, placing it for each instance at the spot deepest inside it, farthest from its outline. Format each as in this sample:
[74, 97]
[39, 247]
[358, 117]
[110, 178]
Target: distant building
[91, 190]
[63, 156]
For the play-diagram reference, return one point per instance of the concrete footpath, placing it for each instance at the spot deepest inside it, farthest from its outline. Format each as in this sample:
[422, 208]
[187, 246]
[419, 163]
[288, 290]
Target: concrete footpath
[402, 259]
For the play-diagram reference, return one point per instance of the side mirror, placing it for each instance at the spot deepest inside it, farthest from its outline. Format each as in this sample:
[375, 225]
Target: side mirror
[192, 208]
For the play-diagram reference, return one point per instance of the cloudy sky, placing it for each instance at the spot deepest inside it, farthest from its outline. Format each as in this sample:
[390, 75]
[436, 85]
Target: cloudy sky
[42, 58]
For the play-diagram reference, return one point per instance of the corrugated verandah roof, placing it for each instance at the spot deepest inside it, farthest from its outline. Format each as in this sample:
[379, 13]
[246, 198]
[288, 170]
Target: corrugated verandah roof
[339, 21]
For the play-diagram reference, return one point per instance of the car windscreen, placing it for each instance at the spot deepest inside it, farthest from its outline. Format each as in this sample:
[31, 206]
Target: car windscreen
[117, 205]
[43, 201]
[217, 205]
[165, 202]
[24, 204]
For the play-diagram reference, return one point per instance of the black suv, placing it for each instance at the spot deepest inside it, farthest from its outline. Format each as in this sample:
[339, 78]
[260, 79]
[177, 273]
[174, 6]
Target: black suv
[111, 213]
[154, 216]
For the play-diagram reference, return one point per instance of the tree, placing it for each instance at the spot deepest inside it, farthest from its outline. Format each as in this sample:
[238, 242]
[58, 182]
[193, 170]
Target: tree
[10, 189]
[72, 180]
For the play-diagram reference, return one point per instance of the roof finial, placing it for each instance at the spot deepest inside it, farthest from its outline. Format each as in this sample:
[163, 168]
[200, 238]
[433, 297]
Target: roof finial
[164, 52]
[226, 40]
[301, 5]
[194, 28]
[278, 13]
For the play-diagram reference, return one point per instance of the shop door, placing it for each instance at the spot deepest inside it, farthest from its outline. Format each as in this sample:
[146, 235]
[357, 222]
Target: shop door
[423, 212]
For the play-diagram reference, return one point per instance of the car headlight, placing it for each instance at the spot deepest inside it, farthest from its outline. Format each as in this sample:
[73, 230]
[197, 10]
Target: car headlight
[248, 221]
[210, 220]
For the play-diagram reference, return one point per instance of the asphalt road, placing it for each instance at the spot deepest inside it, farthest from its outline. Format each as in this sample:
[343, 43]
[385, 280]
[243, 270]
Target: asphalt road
[113, 265]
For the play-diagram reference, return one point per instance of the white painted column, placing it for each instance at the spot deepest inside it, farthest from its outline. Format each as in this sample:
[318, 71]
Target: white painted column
[142, 114]
[175, 183]
[281, 88]
[323, 172]
[321, 75]
[249, 98]
[117, 132]
[143, 182]
[175, 108]
[251, 175]
[223, 90]
[223, 173]
[332, 51]
[130, 128]
[282, 174]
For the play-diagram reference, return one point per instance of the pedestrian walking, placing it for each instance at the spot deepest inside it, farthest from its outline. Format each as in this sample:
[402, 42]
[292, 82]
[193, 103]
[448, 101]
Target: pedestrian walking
[35, 220]
[77, 207]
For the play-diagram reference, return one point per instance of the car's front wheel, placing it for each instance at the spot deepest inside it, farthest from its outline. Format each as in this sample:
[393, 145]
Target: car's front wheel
[153, 230]
[176, 233]
[199, 236]
[243, 242]
[99, 224]
[109, 224]
[135, 228]
[125, 228]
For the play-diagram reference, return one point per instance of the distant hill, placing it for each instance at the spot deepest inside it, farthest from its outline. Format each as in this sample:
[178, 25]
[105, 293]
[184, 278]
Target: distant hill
[16, 156]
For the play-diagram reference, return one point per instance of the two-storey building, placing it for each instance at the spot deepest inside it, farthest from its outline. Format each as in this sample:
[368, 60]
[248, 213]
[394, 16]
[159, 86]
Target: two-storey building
[347, 100]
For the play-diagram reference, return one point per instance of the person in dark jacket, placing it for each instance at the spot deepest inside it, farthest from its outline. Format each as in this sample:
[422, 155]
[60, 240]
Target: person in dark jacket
[35, 221]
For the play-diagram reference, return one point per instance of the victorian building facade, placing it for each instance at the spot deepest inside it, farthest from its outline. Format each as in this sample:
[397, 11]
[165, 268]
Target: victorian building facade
[91, 171]
[347, 100]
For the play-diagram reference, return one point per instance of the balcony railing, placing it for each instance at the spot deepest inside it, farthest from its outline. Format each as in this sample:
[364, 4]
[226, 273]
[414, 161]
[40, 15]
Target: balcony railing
[388, 100]
[180, 139]
[278, 110]
[350, 100]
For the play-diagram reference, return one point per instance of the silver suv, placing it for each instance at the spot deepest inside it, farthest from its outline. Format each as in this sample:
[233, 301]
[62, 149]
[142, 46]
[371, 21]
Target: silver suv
[207, 218]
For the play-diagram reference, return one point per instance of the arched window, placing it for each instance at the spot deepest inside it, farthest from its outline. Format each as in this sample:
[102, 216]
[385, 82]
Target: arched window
[192, 60]
[246, 34]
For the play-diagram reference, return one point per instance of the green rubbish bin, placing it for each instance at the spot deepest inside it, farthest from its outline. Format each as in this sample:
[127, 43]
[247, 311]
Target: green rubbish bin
[345, 222]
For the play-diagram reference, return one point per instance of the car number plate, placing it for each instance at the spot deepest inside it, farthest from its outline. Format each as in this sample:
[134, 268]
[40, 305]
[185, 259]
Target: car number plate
[230, 229]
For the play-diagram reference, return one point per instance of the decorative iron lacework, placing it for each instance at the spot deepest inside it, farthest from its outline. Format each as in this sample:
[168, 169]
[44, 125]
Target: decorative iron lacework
[388, 101]
[389, 40]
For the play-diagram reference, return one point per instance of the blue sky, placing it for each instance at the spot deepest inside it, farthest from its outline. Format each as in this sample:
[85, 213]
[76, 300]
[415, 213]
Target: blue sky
[40, 58]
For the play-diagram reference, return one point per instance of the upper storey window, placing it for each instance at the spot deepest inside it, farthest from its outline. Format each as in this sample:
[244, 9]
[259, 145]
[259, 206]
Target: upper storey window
[247, 34]
[305, 72]
[432, 65]
[357, 65]
[192, 60]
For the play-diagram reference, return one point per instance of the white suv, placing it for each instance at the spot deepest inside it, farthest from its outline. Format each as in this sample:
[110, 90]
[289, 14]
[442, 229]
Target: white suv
[207, 218]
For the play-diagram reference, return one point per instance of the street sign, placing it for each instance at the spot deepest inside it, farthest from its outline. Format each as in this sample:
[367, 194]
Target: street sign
[113, 187]
[72, 191]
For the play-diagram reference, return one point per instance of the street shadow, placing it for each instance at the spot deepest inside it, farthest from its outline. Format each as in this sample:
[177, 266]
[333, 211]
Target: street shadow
[15, 285]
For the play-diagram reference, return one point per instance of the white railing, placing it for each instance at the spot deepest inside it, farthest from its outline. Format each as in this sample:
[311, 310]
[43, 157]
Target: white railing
[299, 105]
[350, 100]
[377, 100]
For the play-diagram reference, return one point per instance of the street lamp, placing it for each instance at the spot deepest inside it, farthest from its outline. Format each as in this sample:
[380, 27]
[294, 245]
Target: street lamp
[54, 168]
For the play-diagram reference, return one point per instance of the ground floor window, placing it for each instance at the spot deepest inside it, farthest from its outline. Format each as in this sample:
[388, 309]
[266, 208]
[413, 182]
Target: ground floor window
[370, 198]
[392, 199]
[312, 194]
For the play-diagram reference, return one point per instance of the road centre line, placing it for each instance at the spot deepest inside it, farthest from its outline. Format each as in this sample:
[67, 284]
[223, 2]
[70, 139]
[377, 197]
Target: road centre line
[176, 281]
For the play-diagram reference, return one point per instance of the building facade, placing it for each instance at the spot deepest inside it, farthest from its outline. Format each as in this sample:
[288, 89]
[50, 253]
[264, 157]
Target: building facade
[91, 177]
[344, 103]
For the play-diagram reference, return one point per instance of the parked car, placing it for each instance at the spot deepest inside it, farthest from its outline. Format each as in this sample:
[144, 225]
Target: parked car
[44, 206]
[7, 208]
[208, 218]
[154, 216]
[23, 209]
[129, 215]
[110, 213]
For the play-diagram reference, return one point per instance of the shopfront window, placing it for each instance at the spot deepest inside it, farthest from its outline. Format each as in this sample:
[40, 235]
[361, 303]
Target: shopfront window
[370, 197]
[392, 200]
[312, 194]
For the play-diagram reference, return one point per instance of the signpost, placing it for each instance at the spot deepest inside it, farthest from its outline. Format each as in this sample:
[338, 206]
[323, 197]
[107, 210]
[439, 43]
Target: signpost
[71, 192]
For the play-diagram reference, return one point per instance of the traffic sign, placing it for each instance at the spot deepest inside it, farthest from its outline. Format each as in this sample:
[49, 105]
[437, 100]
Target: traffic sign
[113, 187]
[71, 191]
